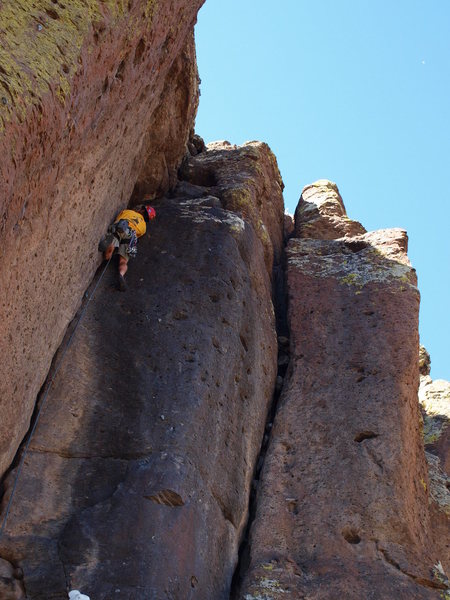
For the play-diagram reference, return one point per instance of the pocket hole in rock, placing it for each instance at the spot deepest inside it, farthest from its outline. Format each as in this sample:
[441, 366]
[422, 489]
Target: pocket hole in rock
[52, 13]
[140, 49]
[356, 246]
[244, 343]
[120, 70]
[351, 536]
[167, 498]
[365, 435]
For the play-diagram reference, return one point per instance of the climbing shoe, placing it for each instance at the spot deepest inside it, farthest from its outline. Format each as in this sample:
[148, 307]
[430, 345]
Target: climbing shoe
[122, 284]
[105, 242]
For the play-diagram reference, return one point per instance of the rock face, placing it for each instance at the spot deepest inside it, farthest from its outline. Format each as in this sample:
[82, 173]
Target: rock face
[342, 507]
[164, 143]
[247, 181]
[11, 587]
[95, 96]
[139, 473]
[321, 213]
[138, 477]
[434, 398]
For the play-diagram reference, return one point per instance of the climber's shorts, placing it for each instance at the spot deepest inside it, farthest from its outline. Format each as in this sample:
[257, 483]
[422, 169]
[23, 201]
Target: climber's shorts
[121, 249]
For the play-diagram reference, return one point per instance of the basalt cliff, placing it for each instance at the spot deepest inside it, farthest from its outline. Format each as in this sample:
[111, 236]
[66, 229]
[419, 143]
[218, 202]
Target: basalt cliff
[251, 419]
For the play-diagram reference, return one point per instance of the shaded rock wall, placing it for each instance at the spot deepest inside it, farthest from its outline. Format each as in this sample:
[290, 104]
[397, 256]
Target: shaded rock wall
[139, 473]
[434, 398]
[164, 143]
[342, 507]
[138, 479]
[91, 93]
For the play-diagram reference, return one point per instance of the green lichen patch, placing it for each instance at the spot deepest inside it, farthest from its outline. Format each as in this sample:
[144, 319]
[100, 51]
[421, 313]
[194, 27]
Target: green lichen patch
[240, 199]
[266, 585]
[262, 233]
[439, 482]
[433, 428]
[434, 398]
[272, 584]
[40, 47]
[440, 575]
[332, 259]
[323, 185]
[266, 589]
[351, 279]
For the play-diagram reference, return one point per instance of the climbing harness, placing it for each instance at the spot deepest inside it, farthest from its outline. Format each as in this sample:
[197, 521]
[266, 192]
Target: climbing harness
[132, 244]
[44, 399]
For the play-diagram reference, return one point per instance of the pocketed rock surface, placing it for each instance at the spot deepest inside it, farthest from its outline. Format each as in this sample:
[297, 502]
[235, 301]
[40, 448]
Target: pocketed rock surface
[321, 213]
[94, 97]
[137, 480]
[434, 398]
[342, 507]
[247, 181]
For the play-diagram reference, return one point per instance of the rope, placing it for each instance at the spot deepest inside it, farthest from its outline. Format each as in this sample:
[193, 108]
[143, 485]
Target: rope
[44, 399]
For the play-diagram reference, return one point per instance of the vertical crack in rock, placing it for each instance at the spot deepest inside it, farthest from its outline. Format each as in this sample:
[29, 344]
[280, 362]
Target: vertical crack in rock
[9, 477]
[434, 399]
[280, 304]
[60, 551]
[146, 381]
[437, 585]
[345, 461]
[147, 428]
[70, 130]
[167, 498]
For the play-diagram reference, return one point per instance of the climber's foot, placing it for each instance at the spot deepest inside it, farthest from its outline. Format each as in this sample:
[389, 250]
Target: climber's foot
[122, 284]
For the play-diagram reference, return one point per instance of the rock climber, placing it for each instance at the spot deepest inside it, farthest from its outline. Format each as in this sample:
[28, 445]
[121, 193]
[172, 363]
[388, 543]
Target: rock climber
[122, 236]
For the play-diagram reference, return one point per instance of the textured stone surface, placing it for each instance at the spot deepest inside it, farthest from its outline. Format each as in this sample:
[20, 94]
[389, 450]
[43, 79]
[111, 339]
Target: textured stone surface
[342, 507]
[11, 587]
[321, 213]
[424, 361]
[88, 90]
[139, 473]
[164, 142]
[247, 181]
[288, 225]
[434, 398]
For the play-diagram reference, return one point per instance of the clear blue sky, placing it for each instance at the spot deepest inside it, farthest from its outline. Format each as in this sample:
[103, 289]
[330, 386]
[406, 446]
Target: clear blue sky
[355, 91]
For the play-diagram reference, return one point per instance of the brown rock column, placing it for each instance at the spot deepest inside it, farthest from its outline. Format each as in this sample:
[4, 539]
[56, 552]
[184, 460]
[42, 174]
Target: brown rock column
[342, 508]
[88, 91]
[434, 398]
[137, 482]
[247, 181]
